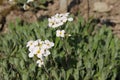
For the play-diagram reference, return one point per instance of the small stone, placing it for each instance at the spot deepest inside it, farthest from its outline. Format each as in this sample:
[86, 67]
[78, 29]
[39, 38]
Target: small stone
[101, 7]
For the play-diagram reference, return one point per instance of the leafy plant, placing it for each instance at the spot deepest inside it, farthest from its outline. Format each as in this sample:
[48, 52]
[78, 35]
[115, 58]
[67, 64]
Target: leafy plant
[85, 55]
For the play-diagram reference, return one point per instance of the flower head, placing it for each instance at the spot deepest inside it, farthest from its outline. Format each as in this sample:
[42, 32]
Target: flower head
[48, 44]
[58, 20]
[29, 43]
[60, 33]
[40, 49]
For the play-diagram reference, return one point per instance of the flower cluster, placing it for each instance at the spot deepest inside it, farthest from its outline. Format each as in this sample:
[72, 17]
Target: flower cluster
[40, 49]
[58, 20]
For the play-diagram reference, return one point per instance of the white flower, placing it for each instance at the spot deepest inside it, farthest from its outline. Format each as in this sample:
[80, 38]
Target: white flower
[39, 52]
[58, 20]
[36, 43]
[70, 19]
[40, 49]
[55, 25]
[29, 43]
[46, 53]
[31, 48]
[40, 63]
[60, 33]
[60, 23]
[64, 19]
[48, 44]
[51, 22]
[28, 1]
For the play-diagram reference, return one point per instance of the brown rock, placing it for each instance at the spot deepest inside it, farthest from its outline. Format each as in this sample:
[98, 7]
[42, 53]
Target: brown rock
[5, 9]
[41, 13]
[115, 19]
[11, 18]
[63, 6]
[111, 1]
[101, 7]
[53, 8]
[29, 17]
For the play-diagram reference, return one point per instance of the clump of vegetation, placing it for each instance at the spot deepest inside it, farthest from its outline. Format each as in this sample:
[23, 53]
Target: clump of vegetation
[83, 55]
[31, 4]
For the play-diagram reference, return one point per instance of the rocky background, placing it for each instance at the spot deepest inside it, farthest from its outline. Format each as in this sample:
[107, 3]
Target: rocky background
[102, 11]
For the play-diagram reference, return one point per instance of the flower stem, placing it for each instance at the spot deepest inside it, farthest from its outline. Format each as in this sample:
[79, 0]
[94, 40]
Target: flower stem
[67, 53]
[47, 73]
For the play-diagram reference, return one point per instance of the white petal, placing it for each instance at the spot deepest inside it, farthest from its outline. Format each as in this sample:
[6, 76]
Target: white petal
[47, 52]
[31, 48]
[31, 55]
[60, 23]
[44, 46]
[70, 19]
[64, 19]
[52, 44]
[55, 26]
[35, 43]
[39, 56]
[63, 33]
[66, 14]
[29, 43]
[58, 33]
[40, 63]
[28, 1]
[50, 24]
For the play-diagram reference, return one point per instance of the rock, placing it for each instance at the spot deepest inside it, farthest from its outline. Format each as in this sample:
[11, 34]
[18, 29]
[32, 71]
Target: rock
[5, 9]
[53, 8]
[11, 18]
[63, 6]
[111, 1]
[115, 19]
[101, 7]
[29, 17]
[41, 13]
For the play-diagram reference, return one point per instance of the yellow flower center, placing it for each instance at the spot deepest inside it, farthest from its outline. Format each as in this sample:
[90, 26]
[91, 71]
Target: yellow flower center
[38, 52]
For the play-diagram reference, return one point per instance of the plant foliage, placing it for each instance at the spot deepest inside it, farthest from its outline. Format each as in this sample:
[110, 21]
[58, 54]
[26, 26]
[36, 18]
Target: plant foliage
[88, 54]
